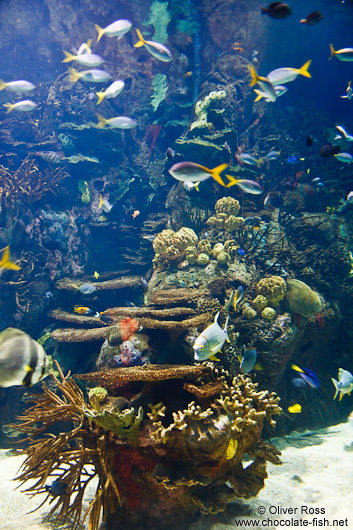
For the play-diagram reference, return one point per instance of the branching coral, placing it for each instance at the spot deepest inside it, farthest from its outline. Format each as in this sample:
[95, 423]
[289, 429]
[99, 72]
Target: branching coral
[27, 184]
[160, 455]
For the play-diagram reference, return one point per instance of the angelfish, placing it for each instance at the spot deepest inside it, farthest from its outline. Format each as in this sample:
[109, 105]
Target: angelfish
[156, 49]
[210, 341]
[22, 360]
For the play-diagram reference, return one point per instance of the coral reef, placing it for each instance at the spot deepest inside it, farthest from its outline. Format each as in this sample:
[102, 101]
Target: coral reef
[159, 457]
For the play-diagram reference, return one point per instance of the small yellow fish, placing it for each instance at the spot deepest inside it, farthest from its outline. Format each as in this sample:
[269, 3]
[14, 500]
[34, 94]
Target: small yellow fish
[295, 409]
[5, 263]
[96, 275]
[231, 449]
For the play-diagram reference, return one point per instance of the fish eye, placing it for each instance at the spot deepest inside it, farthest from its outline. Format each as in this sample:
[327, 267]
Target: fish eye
[202, 347]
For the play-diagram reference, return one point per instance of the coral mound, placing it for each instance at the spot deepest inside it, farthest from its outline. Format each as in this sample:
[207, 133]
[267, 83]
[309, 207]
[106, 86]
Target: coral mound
[163, 454]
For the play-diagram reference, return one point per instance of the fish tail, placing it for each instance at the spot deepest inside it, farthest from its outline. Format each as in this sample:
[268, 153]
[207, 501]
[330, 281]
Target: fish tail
[141, 40]
[9, 107]
[232, 181]
[2, 84]
[88, 44]
[254, 76]
[68, 57]
[304, 69]
[214, 358]
[297, 369]
[100, 201]
[74, 75]
[197, 187]
[101, 96]
[259, 95]
[101, 121]
[100, 32]
[6, 263]
[215, 172]
[332, 51]
[349, 84]
[336, 387]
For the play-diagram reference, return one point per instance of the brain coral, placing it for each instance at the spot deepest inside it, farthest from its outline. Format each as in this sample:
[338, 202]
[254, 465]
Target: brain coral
[162, 241]
[228, 205]
[184, 238]
[273, 288]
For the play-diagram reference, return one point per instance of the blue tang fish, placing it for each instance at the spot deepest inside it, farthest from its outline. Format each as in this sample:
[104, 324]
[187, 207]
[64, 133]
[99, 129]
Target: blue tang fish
[310, 377]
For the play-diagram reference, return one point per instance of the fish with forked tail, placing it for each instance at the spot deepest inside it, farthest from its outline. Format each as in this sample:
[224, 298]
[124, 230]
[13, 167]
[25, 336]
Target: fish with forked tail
[210, 341]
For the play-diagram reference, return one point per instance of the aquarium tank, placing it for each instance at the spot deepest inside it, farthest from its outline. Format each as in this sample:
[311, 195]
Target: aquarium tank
[176, 264]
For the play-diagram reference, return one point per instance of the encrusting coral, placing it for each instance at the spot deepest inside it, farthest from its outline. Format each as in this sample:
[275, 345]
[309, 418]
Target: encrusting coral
[162, 454]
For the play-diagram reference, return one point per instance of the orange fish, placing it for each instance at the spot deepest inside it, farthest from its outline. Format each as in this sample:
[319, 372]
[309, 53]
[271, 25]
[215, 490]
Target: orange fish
[188, 74]
[135, 214]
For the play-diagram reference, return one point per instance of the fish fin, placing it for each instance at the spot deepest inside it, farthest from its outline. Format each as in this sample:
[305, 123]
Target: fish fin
[74, 75]
[101, 96]
[258, 366]
[141, 40]
[100, 201]
[333, 51]
[297, 369]
[349, 84]
[341, 396]
[101, 121]
[215, 172]
[2, 84]
[28, 369]
[304, 69]
[225, 329]
[254, 76]
[100, 32]
[197, 187]
[5, 262]
[9, 107]
[336, 387]
[68, 57]
[259, 95]
[214, 358]
[216, 318]
[88, 44]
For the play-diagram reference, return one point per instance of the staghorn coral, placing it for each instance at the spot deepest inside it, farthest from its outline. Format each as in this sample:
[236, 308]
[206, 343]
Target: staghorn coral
[160, 461]
[272, 288]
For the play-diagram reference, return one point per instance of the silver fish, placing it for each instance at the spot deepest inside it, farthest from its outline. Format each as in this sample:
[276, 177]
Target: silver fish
[51, 157]
[115, 29]
[156, 49]
[344, 385]
[87, 288]
[17, 86]
[210, 341]
[21, 106]
[90, 76]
